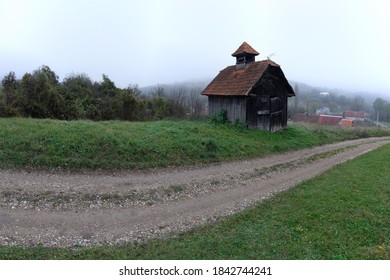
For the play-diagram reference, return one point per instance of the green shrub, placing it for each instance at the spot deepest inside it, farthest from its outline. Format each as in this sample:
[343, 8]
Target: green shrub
[210, 149]
[220, 118]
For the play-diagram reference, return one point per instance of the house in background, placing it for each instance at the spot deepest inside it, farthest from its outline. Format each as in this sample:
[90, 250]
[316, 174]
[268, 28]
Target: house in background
[345, 119]
[252, 92]
[323, 110]
[329, 120]
[354, 116]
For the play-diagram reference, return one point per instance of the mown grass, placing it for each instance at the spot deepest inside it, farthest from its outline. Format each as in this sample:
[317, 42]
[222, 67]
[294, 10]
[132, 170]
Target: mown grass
[341, 214]
[141, 145]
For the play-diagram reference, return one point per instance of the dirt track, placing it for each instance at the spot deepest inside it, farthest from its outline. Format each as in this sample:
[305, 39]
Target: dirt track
[63, 209]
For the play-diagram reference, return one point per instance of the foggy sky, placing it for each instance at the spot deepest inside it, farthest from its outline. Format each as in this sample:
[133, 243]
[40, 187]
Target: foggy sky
[332, 43]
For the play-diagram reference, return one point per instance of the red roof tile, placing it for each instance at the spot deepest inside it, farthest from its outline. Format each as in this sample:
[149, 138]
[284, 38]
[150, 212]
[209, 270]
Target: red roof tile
[354, 114]
[234, 82]
[245, 48]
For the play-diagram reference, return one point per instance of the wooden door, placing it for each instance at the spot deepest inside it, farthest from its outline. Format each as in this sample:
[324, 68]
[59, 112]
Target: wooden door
[263, 121]
[263, 112]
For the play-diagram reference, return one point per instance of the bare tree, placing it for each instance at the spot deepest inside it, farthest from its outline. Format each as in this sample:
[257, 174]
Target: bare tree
[296, 91]
[358, 103]
[158, 91]
[178, 96]
[197, 102]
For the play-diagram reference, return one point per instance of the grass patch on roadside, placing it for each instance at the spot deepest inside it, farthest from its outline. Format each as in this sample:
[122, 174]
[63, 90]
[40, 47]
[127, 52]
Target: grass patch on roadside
[341, 214]
[76, 145]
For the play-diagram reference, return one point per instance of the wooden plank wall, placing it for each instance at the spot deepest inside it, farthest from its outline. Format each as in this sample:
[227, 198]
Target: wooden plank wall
[269, 94]
[234, 105]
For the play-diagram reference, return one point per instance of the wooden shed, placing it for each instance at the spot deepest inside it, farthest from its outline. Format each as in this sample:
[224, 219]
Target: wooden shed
[252, 92]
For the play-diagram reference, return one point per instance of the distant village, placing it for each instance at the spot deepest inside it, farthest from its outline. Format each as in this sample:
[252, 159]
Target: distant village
[323, 116]
[340, 114]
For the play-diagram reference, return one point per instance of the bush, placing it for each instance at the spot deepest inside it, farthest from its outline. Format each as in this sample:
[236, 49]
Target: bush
[210, 147]
[220, 118]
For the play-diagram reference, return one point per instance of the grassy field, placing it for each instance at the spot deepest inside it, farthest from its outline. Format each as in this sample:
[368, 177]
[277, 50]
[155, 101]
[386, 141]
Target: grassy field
[336, 215]
[139, 145]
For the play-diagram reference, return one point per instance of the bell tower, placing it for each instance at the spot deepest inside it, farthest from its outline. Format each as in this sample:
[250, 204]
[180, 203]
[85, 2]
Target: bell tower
[244, 54]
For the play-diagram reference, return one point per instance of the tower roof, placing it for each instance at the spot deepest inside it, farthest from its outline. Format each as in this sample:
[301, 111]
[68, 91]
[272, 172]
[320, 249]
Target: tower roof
[245, 48]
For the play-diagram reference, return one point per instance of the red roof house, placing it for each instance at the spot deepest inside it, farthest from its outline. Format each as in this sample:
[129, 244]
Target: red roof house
[329, 120]
[353, 115]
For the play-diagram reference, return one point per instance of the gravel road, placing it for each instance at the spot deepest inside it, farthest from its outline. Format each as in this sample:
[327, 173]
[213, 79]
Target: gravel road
[66, 209]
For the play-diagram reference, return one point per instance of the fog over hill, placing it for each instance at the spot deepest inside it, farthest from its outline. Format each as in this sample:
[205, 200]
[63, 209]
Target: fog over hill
[311, 89]
[199, 85]
[303, 89]
[309, 98]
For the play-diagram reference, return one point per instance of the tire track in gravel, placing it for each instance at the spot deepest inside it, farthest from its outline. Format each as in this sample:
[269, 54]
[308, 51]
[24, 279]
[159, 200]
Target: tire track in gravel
[64, 209]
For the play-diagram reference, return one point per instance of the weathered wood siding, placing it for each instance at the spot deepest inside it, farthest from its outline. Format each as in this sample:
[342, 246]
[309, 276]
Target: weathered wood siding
[234, 105]
[267, 104]
[264, 108]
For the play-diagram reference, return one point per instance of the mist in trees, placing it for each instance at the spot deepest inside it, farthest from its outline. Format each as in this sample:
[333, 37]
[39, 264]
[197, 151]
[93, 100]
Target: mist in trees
[382, 110]
[40, 94]
[358, 103]
[309, 99]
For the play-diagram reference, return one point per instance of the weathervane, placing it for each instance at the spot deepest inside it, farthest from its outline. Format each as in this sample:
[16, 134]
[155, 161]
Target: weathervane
[270, 55]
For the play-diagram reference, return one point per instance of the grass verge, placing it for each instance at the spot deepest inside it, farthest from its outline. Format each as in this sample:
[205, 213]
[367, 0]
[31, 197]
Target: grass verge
[142, 145]
[341, 214]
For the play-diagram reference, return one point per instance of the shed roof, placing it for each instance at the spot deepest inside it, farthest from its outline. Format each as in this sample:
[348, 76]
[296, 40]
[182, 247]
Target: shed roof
[245, 48]
[354, 114]
[239, 82]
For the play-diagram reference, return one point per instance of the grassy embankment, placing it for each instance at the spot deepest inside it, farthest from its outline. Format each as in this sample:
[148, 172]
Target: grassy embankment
[141, 145]
[332, 216]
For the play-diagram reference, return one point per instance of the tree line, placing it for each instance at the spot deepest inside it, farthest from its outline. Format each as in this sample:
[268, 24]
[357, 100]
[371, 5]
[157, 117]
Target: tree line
[40, 94]
[382, 110]
[310, 99]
